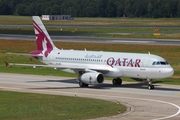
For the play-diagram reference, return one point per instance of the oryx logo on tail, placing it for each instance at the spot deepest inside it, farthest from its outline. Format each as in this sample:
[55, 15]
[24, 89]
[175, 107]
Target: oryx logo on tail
[43, 40]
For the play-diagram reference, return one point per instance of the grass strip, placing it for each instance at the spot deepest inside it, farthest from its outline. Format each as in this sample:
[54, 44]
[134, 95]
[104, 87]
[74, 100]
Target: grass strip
[28, 106]
[118, 21]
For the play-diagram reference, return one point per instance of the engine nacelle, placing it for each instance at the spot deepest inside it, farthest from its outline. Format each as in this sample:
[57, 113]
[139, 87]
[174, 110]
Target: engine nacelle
[91, 78]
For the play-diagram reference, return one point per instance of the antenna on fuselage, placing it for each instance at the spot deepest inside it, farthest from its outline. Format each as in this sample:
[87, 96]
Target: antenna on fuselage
[149, 53]
[84, 49]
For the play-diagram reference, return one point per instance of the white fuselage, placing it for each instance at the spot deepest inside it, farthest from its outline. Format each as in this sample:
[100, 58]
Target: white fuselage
[119, 64]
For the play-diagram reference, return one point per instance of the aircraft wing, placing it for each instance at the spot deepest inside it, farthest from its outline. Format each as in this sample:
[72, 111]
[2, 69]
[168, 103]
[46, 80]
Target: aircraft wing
[30, 65]
[100, 68]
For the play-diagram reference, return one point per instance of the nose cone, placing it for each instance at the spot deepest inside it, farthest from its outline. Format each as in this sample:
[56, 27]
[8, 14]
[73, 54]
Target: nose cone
[168, 72]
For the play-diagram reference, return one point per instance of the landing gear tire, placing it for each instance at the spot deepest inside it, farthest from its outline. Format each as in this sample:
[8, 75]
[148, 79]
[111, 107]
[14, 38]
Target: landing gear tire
[86, 85]
[117, 81]
[114, 81]
[81, 84]
[151, 87]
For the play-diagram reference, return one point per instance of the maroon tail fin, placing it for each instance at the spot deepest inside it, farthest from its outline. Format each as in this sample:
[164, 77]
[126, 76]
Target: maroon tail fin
[43, 40]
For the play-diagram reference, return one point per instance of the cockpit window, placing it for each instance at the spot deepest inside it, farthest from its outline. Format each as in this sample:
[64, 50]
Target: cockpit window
[160, 63]
[154, 63]
[163, 63]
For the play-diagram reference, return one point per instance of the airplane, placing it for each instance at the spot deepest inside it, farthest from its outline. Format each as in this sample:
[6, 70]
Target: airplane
[93, 66]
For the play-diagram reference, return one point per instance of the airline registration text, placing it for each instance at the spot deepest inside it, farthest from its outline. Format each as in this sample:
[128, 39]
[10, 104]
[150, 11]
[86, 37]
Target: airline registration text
[123, 62]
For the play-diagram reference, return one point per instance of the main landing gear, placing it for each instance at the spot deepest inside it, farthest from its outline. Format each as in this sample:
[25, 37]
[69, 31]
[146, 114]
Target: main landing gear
[117, 81]
[81, 84]
[150, 86]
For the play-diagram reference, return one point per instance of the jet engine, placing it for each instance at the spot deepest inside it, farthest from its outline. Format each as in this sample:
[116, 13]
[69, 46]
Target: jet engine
[91, 78]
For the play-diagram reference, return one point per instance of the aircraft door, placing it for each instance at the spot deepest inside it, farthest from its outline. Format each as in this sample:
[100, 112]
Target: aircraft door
[143, 63]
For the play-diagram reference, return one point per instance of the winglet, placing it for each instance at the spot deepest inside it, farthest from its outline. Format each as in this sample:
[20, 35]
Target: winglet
[7, 64]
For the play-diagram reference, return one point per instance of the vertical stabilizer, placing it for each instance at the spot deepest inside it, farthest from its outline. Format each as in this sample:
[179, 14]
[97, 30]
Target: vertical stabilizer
[43, 40]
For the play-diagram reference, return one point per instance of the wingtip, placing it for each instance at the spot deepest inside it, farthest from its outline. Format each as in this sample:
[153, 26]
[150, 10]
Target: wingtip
[7, 64]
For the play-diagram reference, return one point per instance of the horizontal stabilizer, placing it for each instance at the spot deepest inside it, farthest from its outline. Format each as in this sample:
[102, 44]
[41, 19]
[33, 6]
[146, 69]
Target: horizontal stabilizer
[23, 54]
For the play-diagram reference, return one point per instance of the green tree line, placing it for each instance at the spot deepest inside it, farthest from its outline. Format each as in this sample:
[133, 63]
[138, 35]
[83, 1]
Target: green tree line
[93, 8]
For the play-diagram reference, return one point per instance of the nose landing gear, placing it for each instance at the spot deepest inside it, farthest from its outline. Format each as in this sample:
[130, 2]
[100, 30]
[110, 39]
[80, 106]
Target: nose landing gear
[150, 86]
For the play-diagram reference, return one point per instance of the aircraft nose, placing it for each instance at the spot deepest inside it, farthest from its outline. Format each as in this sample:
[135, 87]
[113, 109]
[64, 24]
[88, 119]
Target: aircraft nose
[169, 71]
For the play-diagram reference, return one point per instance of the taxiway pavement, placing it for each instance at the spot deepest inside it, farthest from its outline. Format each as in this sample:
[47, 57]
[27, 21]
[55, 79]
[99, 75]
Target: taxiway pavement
[81, 38]
[161, 103]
